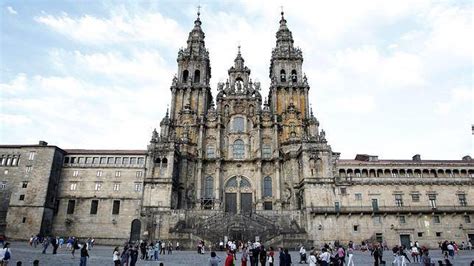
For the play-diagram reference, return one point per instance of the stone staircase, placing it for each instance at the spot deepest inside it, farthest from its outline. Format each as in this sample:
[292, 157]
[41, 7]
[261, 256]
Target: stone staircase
[243, 227]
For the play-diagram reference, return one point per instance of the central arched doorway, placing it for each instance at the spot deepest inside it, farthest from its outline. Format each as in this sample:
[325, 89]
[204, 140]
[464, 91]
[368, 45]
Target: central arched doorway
[238, 195]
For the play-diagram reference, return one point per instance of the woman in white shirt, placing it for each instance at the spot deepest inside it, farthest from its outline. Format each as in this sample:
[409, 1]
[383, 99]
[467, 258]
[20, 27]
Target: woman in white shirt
[312, 259]
[5, 254]
[116, 256]
[325, 258]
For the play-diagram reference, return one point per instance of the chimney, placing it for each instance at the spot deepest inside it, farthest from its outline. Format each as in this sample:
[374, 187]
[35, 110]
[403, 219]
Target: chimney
[416, 157]
[43, 143]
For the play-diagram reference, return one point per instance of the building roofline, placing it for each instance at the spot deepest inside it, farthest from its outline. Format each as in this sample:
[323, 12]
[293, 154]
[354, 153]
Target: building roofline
[105, 152]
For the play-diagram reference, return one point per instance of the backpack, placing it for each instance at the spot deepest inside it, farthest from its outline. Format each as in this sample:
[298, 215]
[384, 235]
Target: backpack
[7, 255]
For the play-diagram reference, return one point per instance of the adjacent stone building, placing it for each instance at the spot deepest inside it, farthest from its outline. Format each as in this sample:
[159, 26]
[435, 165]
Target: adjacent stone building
[236, 166]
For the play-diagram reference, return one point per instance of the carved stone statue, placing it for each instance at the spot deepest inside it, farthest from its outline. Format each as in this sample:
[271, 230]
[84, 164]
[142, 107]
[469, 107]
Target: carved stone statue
[190, 196]
[220, 86]
[257, 85]
[154, 136]
[287, 194]
[322, 136]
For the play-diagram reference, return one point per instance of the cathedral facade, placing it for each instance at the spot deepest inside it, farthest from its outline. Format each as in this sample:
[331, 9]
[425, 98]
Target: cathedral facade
[237, 166]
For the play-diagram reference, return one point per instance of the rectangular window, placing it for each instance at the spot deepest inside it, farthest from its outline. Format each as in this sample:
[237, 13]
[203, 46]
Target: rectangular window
[15, 161]
[398, 200]
[81, 160]
[66, 159]
[133, 160]
[73, 160]
[357, 174]
[141, 160]
[23, 220]
[118, 160]
[358, 196]
[438, 234]
[377, 219]
[32, 155]
[337, 206]
[103, 160]
[22, 197]
[432, 198]
[401, 219]
[71, 204]
[415, 197]
[116, 207]
[116, 186]
[9, 161]
[28, 169]
[4, 161]
[420, 234]
[94, 206]
[98, 186]
[138, 187]
[343, 191]
[268, 206]
[467, 219]
[24, 185]
[95, 160]
[117, 173]
[139, 173]
[436, 219]
[110, 160]
[125, 160]
[75, 173]
[3, 185]
[73, 186]
[356, 228]
[88, 160]
[462, 199]
[99, 173]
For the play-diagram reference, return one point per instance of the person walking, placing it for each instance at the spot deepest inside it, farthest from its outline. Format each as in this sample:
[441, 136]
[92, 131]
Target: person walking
[45, 244]
[312, 259]
[116, 256]
[5, 254]
[263, 255]
[229, 261]
[302, 255]
[75, 245]
[55, 244]
[325, 257]
[84, 256]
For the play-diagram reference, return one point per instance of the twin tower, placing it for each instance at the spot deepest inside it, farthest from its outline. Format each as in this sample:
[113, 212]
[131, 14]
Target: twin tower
[236, 153]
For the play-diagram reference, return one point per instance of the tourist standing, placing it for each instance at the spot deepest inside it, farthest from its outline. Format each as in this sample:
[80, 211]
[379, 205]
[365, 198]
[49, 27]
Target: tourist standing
[229, 261]
[270, 256]
[302, 255]
[125, 256]
[116, 256]
[170, 247]
[54, 242]
[214, 260]
[84, 255]
[350, 253]
[5, 254]
[341, 255]
[312, 259]
[156, 250]
[244, 256]
[177, 245]
[288, 261]
[282, 256]
[263, 255]
[133, 256]
[325, 257]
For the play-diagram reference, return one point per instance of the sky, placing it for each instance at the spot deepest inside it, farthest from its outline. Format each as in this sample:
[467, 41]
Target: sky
[388, 78]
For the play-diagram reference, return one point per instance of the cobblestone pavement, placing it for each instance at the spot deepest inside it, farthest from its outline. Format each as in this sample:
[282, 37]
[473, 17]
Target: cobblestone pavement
[102, 255]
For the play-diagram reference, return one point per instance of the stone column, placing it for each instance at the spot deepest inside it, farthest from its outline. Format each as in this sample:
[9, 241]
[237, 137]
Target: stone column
[278, 184]
[199, 183]
[217, 185]
[258, 186]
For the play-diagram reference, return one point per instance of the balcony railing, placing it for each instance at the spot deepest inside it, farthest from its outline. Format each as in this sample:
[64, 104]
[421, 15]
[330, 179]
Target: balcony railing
[389, 209]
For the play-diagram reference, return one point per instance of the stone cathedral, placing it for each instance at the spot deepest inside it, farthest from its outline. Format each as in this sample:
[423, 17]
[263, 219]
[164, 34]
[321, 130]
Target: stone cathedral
[235, 166]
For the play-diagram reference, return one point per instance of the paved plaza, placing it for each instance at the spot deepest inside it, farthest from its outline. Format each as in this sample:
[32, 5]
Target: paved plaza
[102, 255]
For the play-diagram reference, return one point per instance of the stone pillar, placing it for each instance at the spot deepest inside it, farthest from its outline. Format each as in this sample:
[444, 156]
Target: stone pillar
[278, 184]
[173, 103]
[217, 185]
[198, 183]
[258, 186]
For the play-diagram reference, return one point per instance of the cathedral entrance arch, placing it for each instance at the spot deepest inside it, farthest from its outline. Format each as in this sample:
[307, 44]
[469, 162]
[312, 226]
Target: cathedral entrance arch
[238, 195]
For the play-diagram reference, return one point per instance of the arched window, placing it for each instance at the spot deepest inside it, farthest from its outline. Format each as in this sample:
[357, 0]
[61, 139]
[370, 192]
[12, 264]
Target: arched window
[164, 163]
[238, 124]
[294, 77]
[282, 75]
[208, 187]
[185, 76]
[238, 149]
[197, 76]
[267, 187]
[245, 183]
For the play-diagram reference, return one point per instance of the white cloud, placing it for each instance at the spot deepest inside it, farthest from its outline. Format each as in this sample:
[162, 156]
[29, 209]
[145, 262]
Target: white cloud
[377, 66]
[11, 10]
[120, 27]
